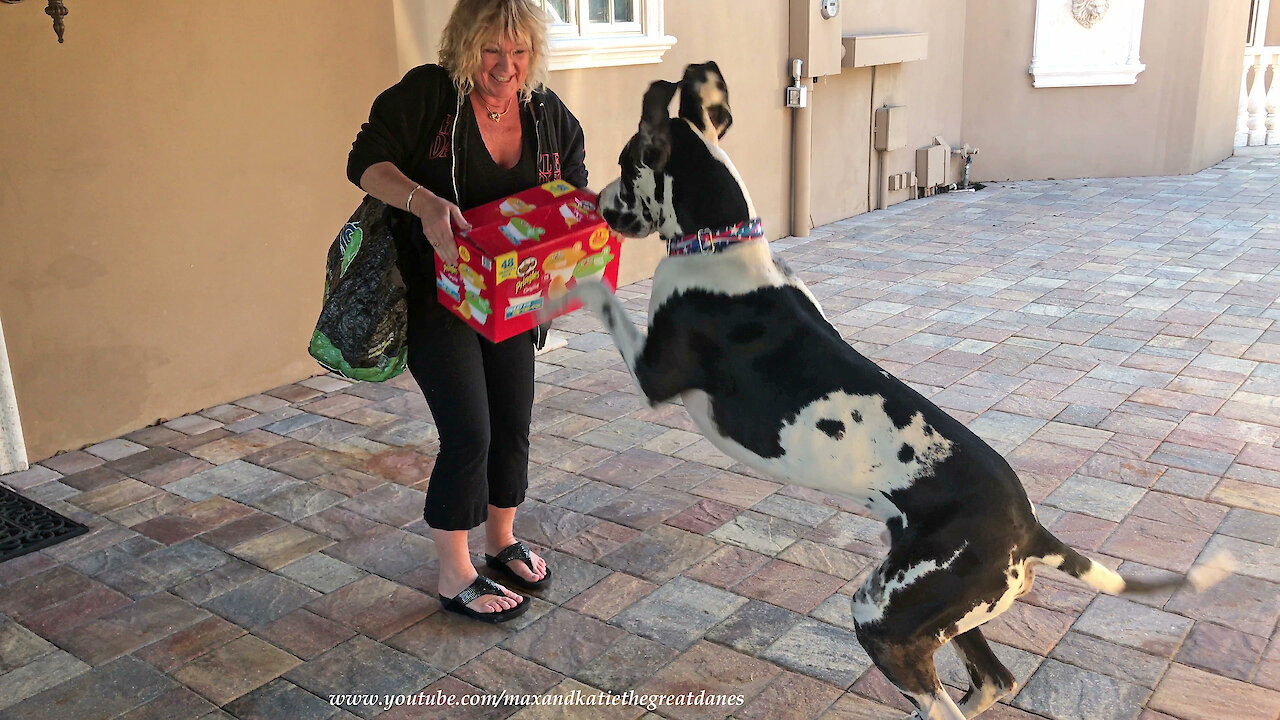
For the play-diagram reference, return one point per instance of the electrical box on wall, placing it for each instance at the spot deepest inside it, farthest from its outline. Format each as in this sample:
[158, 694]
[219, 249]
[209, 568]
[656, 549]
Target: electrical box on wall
[931, 165]
[891, 131]
[884, 48]
[797, 97]
[816, 37]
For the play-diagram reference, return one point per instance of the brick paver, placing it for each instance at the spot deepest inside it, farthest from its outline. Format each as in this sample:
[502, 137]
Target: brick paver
[1116, 339]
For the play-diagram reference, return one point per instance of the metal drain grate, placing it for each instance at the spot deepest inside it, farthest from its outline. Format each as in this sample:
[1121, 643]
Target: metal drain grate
[27, 526]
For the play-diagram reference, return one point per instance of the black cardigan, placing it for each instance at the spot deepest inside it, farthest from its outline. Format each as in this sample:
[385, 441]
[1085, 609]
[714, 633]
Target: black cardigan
[414, 125]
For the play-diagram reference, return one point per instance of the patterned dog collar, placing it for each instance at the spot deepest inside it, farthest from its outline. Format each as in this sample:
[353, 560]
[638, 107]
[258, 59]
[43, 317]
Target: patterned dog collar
[713, 241]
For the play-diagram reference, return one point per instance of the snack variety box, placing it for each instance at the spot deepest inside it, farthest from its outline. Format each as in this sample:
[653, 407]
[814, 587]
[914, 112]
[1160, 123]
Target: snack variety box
[523, 250]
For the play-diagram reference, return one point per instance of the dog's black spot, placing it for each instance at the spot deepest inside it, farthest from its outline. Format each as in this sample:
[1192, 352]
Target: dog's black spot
[906, 453]
[894, 525]
[704, 192]
[857, 416]
[624, 221]
[606, 314]
[901, 415]
[746, 332]
[928, 431]
[1016, 573]
[721, 119]
[833, 428]
[778, 360]
[655, 156]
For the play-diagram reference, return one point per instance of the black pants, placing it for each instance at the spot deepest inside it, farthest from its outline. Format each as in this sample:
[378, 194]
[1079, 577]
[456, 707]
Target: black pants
[481, 398]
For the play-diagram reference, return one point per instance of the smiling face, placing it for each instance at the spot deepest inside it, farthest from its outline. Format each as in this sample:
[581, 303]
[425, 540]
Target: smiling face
[676, 179]
[504, 66]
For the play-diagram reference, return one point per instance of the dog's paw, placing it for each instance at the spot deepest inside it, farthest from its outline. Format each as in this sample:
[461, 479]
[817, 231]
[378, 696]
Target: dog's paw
[593, 293]
[553, 307]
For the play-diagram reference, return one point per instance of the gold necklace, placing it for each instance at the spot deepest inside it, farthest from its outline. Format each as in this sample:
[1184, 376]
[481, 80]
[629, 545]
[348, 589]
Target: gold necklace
[496, 116]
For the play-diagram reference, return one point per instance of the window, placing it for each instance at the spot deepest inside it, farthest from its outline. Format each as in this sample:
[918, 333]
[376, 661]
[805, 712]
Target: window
[603, 33]
[1256, 34]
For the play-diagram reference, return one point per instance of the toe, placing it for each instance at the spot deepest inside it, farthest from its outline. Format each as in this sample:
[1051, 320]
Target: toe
[490, 604]
[519, 568]
[539, 568]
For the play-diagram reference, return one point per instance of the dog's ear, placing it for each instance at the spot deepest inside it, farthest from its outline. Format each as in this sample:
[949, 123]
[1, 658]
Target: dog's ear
[655, 132]
[704, 100]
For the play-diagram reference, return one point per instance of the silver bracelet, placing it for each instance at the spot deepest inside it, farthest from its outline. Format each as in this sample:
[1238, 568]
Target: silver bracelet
[408, 204]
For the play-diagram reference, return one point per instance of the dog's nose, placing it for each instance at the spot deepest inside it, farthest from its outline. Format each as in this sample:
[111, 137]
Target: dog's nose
[624, 221]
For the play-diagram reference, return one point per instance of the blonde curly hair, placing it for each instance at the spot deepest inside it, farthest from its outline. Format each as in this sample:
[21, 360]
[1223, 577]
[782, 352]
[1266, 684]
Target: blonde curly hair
[474, 23]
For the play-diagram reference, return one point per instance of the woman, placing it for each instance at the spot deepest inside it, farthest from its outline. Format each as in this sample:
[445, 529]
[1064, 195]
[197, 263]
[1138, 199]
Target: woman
[475, 128]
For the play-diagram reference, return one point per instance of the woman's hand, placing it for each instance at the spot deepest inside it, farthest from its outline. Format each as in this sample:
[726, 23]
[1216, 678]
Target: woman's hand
[439, 216]
[439, 220]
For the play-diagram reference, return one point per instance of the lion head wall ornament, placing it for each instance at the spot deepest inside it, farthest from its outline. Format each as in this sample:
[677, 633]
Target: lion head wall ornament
[1089, 12]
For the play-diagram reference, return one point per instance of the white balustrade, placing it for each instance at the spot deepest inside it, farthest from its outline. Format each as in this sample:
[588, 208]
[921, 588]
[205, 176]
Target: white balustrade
[1258, 115]
[1273, 103]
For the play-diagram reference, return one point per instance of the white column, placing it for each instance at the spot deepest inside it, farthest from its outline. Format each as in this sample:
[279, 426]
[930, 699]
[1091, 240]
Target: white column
[1242, 113]
[1273, 102]
[1258, 102]
[13, 451]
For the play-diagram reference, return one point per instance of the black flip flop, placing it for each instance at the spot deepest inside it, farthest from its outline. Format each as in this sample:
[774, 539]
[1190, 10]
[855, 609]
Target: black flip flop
[482, 586]
[516, 551]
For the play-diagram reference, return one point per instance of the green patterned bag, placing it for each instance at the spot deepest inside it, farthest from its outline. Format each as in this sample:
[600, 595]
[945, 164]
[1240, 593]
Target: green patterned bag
[362, 326]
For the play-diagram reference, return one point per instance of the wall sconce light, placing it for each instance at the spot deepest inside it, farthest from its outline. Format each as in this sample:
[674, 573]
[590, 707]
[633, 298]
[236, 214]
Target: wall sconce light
[56, 10]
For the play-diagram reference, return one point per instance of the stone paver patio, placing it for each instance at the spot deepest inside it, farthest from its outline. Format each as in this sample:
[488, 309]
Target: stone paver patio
[1116, 339]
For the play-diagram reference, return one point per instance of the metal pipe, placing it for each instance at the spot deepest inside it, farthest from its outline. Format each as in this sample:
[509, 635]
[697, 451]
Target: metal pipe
[882, 187]
[13, 451]
[871, 134]
[801, 153]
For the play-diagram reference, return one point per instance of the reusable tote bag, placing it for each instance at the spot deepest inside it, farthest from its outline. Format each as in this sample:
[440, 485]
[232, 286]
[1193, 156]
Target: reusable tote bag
[361, 333]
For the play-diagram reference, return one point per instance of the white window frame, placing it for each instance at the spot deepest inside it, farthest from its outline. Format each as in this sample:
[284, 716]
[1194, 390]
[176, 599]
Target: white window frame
[1066, 54]
[581, 44]
[1257, 23]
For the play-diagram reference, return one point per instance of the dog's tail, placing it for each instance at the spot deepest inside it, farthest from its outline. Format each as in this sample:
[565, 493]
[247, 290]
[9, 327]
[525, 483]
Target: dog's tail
[1051, 551]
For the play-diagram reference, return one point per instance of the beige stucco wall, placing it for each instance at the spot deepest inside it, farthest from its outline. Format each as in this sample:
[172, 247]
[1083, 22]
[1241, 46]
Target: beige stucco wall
[1178, 118]
[170, 180]
[1218, 100]
[930, 90]
[1273, 24]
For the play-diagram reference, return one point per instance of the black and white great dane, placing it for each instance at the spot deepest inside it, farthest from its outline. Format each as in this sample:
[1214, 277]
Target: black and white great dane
[771, 383]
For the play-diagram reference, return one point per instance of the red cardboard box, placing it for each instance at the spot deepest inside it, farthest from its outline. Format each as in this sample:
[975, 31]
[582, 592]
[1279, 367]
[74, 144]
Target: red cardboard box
[522, 250]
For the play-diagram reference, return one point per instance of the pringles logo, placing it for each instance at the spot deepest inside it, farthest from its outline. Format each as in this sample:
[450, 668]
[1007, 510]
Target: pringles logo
[528, 274]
